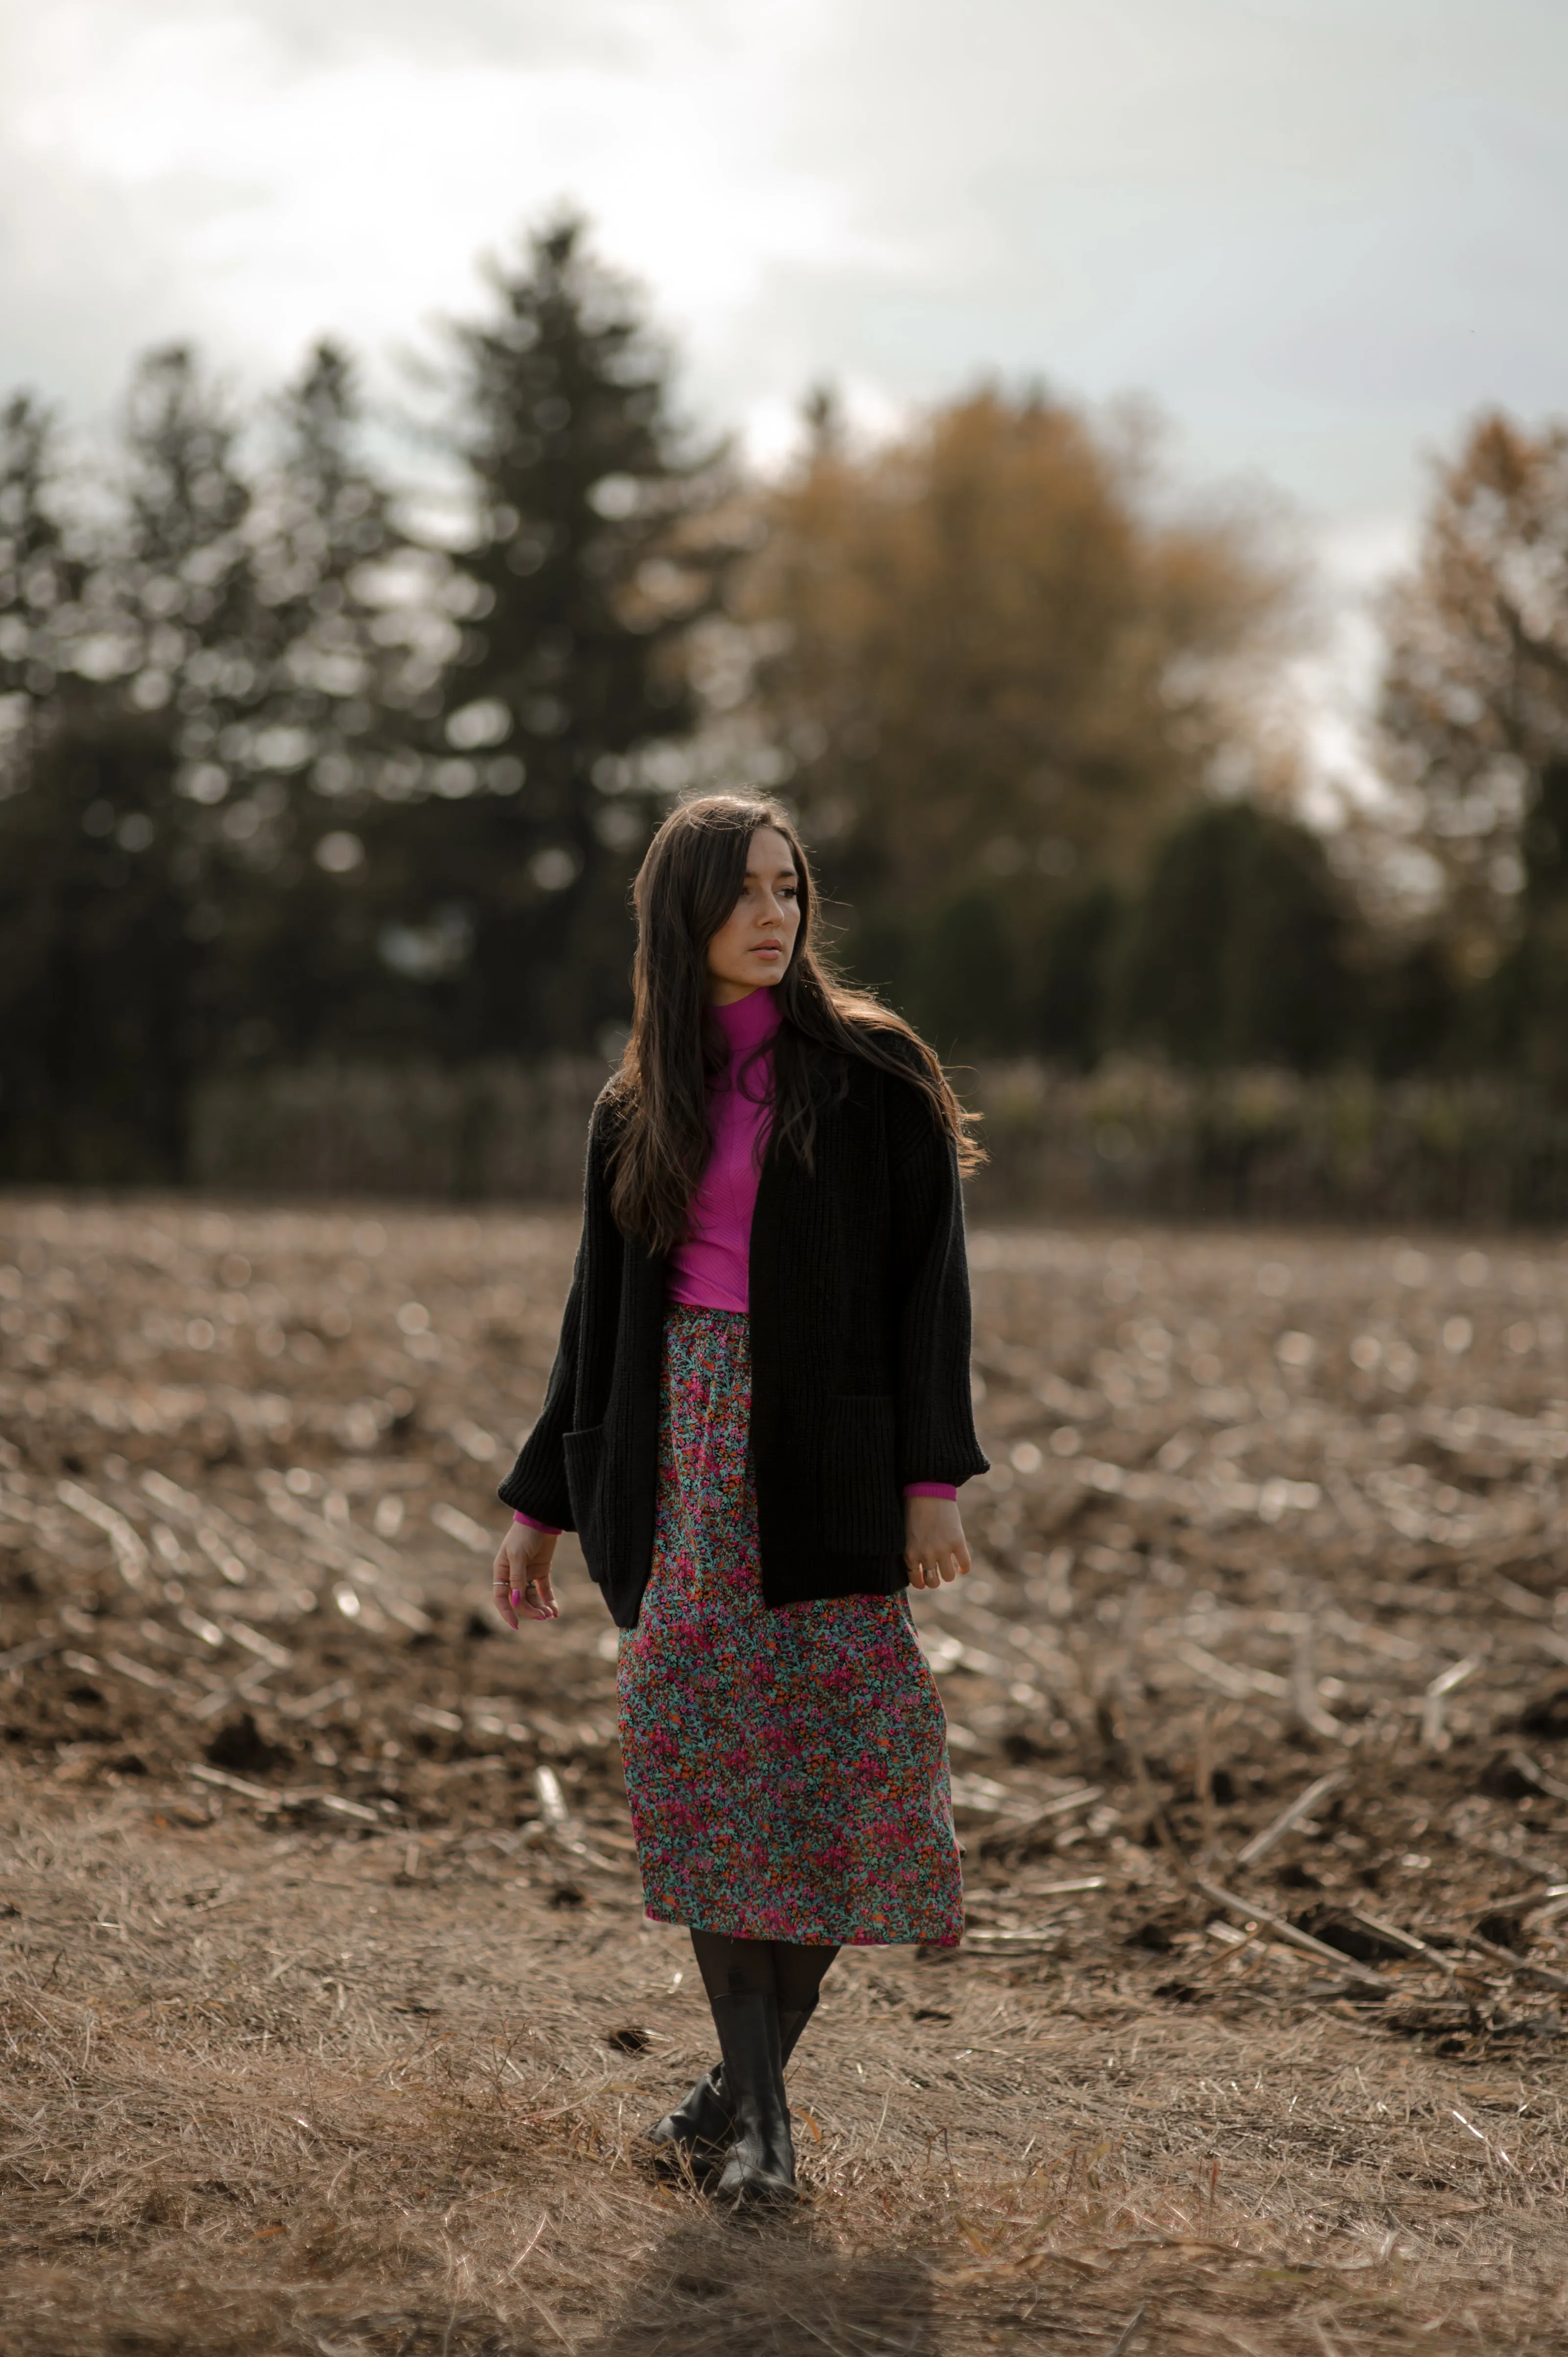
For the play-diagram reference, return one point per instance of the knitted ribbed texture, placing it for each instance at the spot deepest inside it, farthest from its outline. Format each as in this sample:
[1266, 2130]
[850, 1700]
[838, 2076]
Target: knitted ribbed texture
[709, 1270]
[859, 1332]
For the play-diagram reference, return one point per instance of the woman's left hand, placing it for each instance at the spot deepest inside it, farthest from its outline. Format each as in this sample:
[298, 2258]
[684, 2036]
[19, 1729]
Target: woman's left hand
[934, 1546]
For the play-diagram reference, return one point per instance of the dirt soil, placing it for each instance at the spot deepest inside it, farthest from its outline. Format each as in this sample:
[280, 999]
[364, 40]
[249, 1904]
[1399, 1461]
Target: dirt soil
[328, 2021]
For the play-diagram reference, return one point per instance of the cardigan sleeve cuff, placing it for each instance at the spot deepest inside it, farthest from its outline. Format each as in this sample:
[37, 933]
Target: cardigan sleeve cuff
[930, 1490]
[551, 1529]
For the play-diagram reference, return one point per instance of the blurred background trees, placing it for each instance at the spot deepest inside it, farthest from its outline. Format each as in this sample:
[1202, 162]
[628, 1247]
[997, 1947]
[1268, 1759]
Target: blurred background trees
[290, 776]
[1235, 951]
[1474, 705]
[283, 778]
[599, 540]
[1000, 672]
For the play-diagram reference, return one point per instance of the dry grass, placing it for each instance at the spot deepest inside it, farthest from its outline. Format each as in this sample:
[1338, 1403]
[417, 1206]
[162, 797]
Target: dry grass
[279, 2079]
[266, 2096]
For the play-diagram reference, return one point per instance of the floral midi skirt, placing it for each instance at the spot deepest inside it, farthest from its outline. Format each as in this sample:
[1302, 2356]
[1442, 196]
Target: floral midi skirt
[787, 1769]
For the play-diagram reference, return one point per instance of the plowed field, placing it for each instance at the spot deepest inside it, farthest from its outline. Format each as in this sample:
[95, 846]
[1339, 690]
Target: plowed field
[328, 2016]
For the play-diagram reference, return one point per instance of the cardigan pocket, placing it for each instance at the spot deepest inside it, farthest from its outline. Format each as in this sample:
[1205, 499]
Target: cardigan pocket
[863, 1513]
[585, 1455]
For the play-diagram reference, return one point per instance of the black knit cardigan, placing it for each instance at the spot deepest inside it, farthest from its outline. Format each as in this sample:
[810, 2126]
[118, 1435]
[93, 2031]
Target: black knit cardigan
[860, 1330]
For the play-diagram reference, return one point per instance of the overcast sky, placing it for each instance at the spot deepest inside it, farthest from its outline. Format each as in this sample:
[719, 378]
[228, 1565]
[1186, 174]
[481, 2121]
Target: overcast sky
[1317, 232]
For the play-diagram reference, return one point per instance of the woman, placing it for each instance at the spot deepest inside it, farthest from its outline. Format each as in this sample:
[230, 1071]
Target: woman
[757, 1422]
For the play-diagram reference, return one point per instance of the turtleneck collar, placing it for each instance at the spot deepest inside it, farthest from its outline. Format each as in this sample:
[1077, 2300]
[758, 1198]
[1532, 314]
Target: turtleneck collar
[748, 1022]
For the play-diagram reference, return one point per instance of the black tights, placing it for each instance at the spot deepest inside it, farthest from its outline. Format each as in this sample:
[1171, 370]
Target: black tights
[777, 1968]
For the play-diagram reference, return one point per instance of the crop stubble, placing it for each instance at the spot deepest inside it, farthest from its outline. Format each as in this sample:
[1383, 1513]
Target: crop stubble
[329, 2020]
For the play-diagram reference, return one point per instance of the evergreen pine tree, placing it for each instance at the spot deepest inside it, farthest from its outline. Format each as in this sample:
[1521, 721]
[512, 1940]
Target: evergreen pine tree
[100, 995]
[1525, 1004]
[1412, 1014]
[91, 953]
[149, 807]
[184, 585]
[39, 578]
[961, 979]
[298, 969]
[592, 555]
[1234, 952]
[1069, 1010]
[322, 517]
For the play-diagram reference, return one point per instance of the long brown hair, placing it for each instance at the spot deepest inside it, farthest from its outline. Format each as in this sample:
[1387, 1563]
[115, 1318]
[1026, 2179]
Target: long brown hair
[687, 888]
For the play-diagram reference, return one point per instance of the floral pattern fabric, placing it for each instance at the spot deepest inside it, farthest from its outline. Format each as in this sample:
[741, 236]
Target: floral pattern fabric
[787, 1769]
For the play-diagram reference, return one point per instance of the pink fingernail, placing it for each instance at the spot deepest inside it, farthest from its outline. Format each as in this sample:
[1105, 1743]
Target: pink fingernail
[516, 1597]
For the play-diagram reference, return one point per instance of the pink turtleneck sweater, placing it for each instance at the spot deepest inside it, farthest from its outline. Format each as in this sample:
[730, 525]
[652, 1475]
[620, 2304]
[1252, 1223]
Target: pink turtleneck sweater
[711, 1269]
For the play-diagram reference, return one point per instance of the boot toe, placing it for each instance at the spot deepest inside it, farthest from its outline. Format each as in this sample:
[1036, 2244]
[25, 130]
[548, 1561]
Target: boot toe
[702, 2124]
[761, 2187]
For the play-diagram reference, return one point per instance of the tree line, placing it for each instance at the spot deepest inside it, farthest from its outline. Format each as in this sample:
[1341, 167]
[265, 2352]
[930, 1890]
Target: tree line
[307, 756]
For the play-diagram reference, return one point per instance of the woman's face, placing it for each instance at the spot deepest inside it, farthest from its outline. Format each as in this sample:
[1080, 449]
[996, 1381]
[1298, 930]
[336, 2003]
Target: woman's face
[755, 946]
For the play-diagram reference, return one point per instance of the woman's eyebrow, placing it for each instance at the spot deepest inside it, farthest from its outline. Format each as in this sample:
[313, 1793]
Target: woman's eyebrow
[780, 875]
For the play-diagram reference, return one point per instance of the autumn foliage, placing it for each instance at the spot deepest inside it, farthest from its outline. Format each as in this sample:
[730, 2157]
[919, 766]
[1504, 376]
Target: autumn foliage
[310, 762]
[1001, 670]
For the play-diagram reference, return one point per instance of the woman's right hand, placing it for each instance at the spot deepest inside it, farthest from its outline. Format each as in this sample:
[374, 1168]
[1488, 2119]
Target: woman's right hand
[523, 1575]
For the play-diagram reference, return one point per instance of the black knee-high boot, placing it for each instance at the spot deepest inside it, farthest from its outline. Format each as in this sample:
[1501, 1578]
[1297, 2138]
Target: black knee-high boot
[703, 2125]
[761, 2166]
